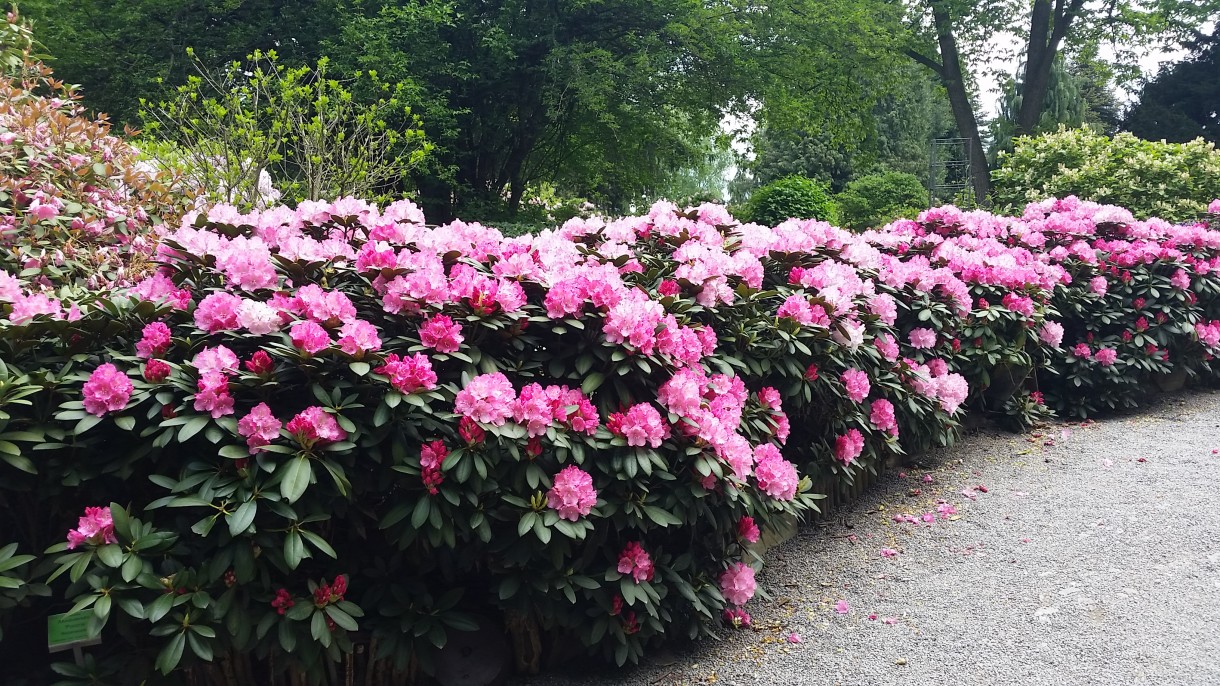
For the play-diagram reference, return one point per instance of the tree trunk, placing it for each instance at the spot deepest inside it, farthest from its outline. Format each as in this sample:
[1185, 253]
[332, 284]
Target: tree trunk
[959, 100]
[1046, 31]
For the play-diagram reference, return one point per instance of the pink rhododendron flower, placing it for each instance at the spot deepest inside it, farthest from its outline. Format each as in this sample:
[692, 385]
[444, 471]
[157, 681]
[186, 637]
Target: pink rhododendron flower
[849, 446]
[533, 409]
[154, 340]
[842, 607]
[259, 363]
[471, 432]
[259, 318]
[1082, 350]
[26, 307]
[889, 552]
[782, 428]
[885, 307]
[95, 528]
[747, 530]
[811, 373]
[683, 393]
[1214, 207]
[882, 416]
[10, 287]
[213, 396]
[794, 638]
[777, 477]
[219, 359]
[329, 308]
[857, 384]
[952, 390]
[922, 338]
[641, 425]
[572, 494]
[945, 510]
[488, 399]
[1019, 303]
[1106, 356]
[107, 390]
[259, 427]
[887, 346]
[635, 562]
[634, 320]
[409, 374]
[431, 459]
[358, 337]
[769, 398]
[1099, 285]
[309, 336]
[218, 312]
[441, 334]
[1051, 333]
[737, 583]
[1180, 279]
[156, 371]
[797, 308]
[572, 408]
[314, 425]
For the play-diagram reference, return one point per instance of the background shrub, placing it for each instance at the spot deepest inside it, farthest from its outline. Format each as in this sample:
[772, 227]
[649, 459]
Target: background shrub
[878, 199]
[792, 197]
[1173, 181]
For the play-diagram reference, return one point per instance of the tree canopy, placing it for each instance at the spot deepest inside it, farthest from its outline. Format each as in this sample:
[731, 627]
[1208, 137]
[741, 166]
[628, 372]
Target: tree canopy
[1183, 102]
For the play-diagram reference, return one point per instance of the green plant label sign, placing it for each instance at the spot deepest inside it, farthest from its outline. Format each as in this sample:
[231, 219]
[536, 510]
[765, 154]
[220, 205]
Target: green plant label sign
[70, 630]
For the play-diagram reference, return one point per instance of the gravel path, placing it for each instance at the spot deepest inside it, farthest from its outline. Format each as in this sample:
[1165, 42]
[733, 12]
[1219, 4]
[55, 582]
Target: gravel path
[1093, 557]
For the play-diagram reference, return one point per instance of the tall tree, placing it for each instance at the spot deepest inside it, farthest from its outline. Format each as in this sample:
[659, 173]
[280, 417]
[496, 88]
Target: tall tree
[1183, 102]
[948, 34]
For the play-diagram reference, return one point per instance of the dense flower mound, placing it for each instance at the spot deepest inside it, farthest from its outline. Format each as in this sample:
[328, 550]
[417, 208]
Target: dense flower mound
[582, 429]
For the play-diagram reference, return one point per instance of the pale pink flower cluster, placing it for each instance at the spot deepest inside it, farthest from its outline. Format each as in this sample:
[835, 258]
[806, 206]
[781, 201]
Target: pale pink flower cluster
[409, 374]
[313, 426]
[737, 583]
[259, 427]
[95, 528]
[107, 390]
[1051, 333]
[856, 383]
[641, 425]
[881, 415]
[441, 333]
[922, 338]
[849, 446]
[635, 562]
[358, 337]
[154, 340]
[487, 399]
[776, 476]
[1208, 333]
[572, 494]
[1106, 356]
[887, 346]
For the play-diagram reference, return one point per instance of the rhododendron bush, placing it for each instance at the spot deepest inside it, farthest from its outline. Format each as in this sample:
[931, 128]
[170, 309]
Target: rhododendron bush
[330, 427]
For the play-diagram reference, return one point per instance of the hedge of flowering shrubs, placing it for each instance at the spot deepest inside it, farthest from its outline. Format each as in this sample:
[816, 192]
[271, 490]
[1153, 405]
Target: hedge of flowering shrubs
[256, 446]
[327, 428]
